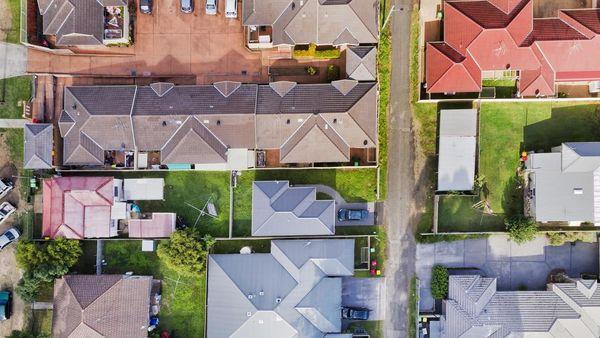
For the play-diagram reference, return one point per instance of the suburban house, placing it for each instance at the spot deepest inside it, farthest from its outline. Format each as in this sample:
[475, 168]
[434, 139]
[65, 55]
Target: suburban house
[457, 149]
[272, 23]
[281, 210]
[225, 126]
[294, 291]
[475, 308]
[501, 39]
[97, 207]
[38, 152]
[564, 185]
[85, 22]
[111, 306]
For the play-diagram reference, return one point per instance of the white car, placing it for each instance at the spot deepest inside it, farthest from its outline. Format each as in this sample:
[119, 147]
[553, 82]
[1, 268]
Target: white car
[6, 209]
[231, 9]
[211, 7]
[8, 237]
[5, 187]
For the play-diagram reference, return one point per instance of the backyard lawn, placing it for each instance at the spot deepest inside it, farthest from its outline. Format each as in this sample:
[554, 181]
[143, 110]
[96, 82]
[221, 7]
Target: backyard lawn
[182, 308]
[41, 323]
[15, 89]
[506, 129]
[354, 185]
[456, 214]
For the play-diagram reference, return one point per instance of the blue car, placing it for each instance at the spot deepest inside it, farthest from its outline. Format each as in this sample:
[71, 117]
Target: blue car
[352, 214]
[354, 313]
[5, 303]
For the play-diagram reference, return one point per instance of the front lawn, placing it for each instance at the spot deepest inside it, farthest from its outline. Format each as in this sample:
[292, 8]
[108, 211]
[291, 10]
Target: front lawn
[457, 214]
[195, 188]
[373, 327]
[15, 89]
[355, 185]
[183, 297]
[12, 34]
[41, 325]
[506, 129]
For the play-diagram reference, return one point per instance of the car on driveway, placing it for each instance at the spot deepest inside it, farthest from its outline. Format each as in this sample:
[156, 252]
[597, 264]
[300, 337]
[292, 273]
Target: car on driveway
[355, 313]
[211, 7]
[8, 237]
[5, 187]
[5, 304]
[146, 6]
[352, 214]
[187, 6]
[6, 209]
[231, 9]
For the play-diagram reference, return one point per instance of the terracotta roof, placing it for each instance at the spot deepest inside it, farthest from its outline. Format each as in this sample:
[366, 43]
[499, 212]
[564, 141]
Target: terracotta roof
[111, 306]
[552, 29]
[161, 225]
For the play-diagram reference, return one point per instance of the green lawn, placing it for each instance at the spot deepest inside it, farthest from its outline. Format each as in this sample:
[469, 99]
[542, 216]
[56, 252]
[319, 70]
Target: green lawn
[184, 297]
[15, 89]
[42, 323]
[413, 300]
[456, 214]
[234, 246]
[354, 185]
[384, 68]
[373, 327]
[506, 129]
[12, 35]
[193, 187]
[504, 88]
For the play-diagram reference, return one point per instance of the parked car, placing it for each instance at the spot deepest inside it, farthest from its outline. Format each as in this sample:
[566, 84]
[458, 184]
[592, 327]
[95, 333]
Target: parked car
[231, 9]
[5, 304]
[6, 209]
[8, 237]
[352, 214]
[355, 313]
[146, 6]
[187, 6]
[5, 187]
[211, 7]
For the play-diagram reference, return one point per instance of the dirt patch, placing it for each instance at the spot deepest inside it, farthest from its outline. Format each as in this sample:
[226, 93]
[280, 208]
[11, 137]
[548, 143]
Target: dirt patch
[9, 277]
[5, 19]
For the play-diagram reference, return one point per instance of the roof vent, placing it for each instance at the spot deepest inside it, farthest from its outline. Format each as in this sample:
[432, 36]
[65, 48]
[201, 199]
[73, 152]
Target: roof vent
[287, 122]
[164, 123]
[278, 300]
[74, 106]
[248, 314]
[218, 122]
[250, 296]
[261, 293]
[365, 142]
[578, 191]
[334, 120]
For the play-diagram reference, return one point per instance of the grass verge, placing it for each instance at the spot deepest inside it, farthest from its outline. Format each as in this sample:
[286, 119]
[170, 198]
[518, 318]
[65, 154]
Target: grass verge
[16, 89]
[384, 68]
[12, 34]
[413, 301]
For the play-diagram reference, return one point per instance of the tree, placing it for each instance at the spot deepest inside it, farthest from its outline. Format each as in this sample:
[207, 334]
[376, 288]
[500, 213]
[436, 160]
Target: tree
[521, 229]
[183, 252]
[560, 238]
[439, 282]
[28, 288]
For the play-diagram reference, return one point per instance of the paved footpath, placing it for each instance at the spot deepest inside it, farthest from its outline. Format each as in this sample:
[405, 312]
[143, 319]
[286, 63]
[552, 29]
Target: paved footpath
[12, 123]
[13, 60]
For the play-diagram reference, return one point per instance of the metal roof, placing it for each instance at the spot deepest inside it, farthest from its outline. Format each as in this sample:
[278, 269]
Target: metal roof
[457, 149]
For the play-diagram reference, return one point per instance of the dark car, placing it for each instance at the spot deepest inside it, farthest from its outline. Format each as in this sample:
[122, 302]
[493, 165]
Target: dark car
[187, 6]
[352, 214]
[146, 6]
[355, 313]
[5, 304]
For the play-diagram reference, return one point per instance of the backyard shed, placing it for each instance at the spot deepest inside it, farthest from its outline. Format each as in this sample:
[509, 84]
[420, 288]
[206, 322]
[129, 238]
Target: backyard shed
[457, 149]
[140, 189]
[160, 225]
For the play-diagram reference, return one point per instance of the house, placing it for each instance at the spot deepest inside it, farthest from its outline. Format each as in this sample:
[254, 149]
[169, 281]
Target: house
[218, 127]
[501, 39]
[38, 146]
[111, 306]
[272, 23]
[475, 308]
[294, 291]
[92, 207]
[361, 63]
[563, 185]
[457, 149]
[85, 22]
[281, 210]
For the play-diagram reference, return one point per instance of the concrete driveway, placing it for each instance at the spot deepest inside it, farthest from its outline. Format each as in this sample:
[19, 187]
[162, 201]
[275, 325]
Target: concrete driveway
[514, 265]
[368, 293]
[340, 203]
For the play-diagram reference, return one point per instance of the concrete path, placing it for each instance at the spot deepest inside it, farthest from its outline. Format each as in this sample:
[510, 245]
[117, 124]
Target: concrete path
[99, 256]
[42, 306]
[514, 265]
[12, 123]
[368, 293]
[340, 203]
[13, 60]
[399, 215]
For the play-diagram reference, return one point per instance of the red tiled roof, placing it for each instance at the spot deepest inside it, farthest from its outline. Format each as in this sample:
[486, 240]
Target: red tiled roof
[552, 29]
[486, 14]
[589, 18]
[161, 225]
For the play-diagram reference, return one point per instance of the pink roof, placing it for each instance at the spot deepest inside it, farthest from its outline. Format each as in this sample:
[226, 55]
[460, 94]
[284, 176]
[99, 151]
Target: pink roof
[502, 34]
[161, 225]
[77, 207]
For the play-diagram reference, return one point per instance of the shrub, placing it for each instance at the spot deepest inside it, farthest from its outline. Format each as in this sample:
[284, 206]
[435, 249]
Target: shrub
[333, 73]
[184, 252]
[439, 282]
[521, 229]
[310, 70]
[560, 238]
[312, 51]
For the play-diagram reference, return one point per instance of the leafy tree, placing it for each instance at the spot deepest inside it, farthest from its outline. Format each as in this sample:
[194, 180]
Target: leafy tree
[28, 288]
[23, 334]
[183, 252]
[560, 238]
[521, 229]
[209, 241]
[439, 282]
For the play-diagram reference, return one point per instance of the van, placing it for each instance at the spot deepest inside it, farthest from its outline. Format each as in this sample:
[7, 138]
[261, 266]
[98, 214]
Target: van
[231, 9]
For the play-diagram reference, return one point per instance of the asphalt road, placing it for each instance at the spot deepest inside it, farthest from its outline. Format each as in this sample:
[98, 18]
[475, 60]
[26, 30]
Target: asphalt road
[400, 204]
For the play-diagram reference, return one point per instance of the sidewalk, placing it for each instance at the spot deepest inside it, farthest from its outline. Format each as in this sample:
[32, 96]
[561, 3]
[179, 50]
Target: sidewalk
[13, 60]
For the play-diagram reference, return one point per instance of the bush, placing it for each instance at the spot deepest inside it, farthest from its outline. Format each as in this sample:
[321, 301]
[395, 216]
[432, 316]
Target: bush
[310, 70]
[312, 51]
[184, 252]
[521, 229]
[560, 238]
[439, 282]
[333, 73]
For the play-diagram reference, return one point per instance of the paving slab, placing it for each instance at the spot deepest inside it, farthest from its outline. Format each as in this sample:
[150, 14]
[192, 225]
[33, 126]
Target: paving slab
[532, 251]
[498, 248]
[584, 259]
[450, 254]
[475, 252]
[531, 274]
[500, 270]
[558, 257]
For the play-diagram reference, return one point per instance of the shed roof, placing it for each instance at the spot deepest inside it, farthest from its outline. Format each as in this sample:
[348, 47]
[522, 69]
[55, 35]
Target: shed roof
[160, 225]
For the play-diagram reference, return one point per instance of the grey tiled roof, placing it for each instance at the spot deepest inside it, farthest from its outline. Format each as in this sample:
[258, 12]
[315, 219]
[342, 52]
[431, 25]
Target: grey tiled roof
[281, 210]
[361, 63]
[475, 309]
[193, 143]
[38, 146]
[111, 306]
[315, 21]
[295, 291]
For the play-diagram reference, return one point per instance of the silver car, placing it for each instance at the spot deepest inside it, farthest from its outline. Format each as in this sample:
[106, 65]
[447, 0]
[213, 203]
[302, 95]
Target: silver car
[8, 237]
[211, 7]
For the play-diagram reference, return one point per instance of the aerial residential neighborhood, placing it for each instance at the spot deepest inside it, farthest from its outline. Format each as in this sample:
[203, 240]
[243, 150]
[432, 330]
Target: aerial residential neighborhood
[299, 168]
